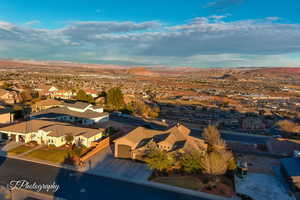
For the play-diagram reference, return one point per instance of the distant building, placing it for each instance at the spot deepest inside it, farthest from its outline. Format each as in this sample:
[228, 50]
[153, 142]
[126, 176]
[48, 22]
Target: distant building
[253, 123]
[46, 90]
[62, 94]
[91, 92]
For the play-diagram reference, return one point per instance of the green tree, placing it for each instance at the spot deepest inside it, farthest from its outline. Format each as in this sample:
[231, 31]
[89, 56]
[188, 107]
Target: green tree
[190, 162]
[159, 160]
[83, 96]
[143, 109]
[115, 98]
[26, 95]
[7, 85]
[69, 139]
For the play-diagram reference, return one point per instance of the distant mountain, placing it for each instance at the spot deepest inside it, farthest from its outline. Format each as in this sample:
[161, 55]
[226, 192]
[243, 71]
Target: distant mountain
[140, 71]
[227, 77]
[279, 70]
[156, 70]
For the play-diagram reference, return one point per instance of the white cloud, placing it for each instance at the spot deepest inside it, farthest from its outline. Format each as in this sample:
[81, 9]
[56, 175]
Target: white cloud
[203, 41]
[273, 18]
[218, 17]
[32, 23]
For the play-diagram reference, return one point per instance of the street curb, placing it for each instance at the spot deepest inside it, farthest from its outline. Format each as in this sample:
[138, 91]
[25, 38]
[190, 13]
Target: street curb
[148, 184]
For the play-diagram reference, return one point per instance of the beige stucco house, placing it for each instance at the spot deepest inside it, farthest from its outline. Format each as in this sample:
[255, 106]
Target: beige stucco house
[50, 133]
[135, 144]
[45, 104]
[6, 116]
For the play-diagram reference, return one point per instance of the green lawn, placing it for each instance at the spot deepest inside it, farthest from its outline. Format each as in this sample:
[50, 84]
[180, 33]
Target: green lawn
[49, 154]
[18, 150]
[187, 182]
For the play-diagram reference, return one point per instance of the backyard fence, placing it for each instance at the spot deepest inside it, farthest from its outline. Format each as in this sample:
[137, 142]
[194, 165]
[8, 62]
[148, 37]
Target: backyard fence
[99, 146]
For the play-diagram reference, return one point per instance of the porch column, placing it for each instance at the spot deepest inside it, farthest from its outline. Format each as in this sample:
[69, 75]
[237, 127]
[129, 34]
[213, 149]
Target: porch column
[17, 138]
[116, 150]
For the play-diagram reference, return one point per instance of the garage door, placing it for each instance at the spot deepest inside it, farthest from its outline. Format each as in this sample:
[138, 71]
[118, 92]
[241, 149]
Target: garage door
[124, 151]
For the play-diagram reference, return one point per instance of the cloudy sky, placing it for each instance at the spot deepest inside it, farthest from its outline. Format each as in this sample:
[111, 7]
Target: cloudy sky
[199, 33]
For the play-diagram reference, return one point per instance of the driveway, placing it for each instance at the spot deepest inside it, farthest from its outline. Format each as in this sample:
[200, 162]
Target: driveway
[104, 163]
[262, 187]
[5, 148]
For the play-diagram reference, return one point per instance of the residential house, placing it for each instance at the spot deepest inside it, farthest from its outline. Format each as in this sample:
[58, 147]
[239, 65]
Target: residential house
[45, 104]
[135, 144]
[79, 113]
[62, 94]
[6, 116]
[253, 123]
[50, 133]
[46, 90]
[9, 97]
[91, 92]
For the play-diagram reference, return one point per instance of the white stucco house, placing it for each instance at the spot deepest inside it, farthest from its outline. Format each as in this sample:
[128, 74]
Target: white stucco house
[50, 133]
[79, 113]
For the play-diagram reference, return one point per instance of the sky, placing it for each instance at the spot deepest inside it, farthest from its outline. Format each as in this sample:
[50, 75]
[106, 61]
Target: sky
[197, 33]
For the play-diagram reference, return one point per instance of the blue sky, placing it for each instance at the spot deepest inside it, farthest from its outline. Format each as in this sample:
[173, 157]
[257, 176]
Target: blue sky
[200, 33]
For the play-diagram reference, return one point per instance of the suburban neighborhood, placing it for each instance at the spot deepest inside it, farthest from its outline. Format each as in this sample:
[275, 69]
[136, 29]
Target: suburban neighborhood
[118, 134]
[149, 100]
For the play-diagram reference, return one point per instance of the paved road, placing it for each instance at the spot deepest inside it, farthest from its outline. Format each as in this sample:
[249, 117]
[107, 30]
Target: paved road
[236, 137]
[246, 138]
[76, 186]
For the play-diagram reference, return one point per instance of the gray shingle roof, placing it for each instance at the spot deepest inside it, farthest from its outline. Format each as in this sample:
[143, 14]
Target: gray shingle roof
[89, 114]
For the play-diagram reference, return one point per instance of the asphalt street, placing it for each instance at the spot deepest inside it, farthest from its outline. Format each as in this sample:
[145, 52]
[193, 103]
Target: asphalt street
[76, 186]
[243, 138]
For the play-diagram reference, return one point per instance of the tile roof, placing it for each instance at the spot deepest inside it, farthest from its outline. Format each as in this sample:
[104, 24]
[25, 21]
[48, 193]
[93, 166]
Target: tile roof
[177, 137]
[78, 104]
[56, 129]
[54, 112]
[48, 102]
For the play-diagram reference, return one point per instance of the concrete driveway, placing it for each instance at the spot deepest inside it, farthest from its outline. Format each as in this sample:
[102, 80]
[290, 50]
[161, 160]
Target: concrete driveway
[262, 187]
[105, 164]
